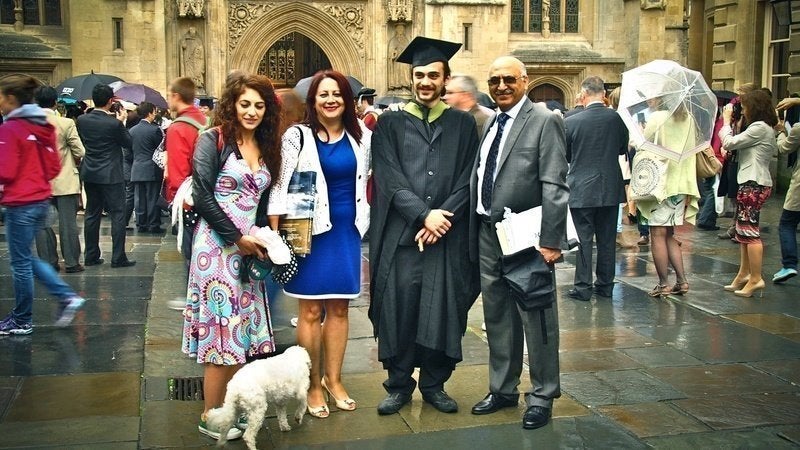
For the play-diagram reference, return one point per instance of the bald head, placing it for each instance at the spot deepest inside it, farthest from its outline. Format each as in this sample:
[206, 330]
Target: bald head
[508, 81]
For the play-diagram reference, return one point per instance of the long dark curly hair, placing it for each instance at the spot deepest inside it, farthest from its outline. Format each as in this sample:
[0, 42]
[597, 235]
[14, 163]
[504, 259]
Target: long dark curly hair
[268, 132]
[349, 117]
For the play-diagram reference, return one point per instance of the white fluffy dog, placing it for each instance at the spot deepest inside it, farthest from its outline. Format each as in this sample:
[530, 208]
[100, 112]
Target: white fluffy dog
[273, 380]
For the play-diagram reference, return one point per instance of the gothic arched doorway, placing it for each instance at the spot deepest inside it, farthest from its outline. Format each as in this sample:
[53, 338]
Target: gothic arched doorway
[291, 58]
[545, 92]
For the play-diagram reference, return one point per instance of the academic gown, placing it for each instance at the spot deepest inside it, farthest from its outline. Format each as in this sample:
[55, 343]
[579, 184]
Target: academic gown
[417, 169]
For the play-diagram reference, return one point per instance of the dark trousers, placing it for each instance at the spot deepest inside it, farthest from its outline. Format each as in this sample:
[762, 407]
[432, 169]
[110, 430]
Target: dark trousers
[112, 198]
[435, 367]
[129, 202]
[708, 211]
[599, 222]
[67, 207]
[148, 213]
[787, 230]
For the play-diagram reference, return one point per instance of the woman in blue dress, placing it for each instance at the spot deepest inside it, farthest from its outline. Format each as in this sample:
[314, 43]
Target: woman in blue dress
[334, 144]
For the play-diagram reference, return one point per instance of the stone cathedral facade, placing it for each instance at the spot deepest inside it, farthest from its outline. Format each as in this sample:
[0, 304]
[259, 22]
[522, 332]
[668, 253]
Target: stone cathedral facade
[561, 41]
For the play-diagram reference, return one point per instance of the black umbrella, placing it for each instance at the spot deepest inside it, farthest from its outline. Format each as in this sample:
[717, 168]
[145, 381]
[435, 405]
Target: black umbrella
[301, 88]
[80, 87]
[484, 100]
[555, 104]
[387, 100]
[725, 95]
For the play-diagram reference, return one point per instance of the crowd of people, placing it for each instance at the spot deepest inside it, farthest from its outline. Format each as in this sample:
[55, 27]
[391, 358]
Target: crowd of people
[428, 180]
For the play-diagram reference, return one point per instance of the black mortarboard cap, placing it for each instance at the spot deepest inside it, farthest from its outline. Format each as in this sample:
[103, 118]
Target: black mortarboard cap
[208, 101]
[423, 51]
[366, 92]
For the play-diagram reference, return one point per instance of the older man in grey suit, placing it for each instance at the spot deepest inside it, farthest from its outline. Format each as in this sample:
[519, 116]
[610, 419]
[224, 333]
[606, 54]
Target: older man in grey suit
[522, 164]
[146, 176]
[595, 139]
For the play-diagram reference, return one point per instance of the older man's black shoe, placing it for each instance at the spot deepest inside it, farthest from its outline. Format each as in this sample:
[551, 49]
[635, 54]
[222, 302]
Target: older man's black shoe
[535, 417]
[575, 294]
[492, 403]
[392, 403]
[441, 401]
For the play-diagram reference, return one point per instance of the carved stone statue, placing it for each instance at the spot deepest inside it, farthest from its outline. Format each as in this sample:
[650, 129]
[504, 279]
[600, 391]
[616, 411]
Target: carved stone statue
[190, 8]
[400, 10]
[398, 74]
[194, 58]
[546, 18]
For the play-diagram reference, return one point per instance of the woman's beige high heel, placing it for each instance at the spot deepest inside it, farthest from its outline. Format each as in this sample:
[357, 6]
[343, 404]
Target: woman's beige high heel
[749, 292]
[736, 285]
[347, 404]
[320, 412]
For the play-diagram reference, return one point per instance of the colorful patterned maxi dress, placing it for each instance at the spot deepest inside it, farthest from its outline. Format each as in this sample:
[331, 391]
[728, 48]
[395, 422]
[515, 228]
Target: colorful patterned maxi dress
[225, 320]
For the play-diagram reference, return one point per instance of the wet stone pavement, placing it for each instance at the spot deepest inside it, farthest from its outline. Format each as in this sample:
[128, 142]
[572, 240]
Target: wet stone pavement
[704, 370]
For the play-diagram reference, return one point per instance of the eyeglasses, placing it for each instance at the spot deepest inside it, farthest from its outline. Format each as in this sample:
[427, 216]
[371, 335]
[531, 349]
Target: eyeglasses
[507, 80]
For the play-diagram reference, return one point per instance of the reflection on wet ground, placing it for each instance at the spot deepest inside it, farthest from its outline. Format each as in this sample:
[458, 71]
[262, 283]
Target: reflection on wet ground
[707, 369]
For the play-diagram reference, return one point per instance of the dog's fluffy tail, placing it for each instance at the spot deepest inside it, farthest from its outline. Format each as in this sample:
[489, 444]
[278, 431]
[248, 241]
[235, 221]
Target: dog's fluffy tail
[222, 419]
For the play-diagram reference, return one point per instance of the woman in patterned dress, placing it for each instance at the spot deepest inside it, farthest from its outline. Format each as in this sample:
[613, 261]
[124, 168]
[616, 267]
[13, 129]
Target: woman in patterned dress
[227, 320]
[754, 147]
[335, 145]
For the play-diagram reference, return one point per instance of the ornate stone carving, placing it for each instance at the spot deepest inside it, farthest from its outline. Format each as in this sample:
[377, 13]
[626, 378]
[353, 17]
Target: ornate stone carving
[351, 17]
[653, 4]
[193, 55]
[398, 75]
[188, 8]
[241, 16]
[400, 10]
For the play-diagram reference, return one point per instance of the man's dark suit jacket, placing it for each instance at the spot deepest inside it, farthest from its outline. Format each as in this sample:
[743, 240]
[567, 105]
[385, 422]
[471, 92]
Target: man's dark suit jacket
[595, 139]
[103, 136]
[577, 109]
[145, 137]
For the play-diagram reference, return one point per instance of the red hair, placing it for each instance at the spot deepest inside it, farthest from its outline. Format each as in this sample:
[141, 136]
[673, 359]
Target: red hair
[349, 118]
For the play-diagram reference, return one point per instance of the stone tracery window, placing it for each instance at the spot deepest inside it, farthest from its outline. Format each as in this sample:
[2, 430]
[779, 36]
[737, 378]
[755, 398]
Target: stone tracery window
[527, 15]
[34, 12]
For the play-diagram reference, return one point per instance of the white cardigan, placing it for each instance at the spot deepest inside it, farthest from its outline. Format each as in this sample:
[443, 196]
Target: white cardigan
[307, 158]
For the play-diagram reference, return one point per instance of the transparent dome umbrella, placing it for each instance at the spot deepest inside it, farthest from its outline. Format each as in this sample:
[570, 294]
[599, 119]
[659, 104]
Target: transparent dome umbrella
[668, 109]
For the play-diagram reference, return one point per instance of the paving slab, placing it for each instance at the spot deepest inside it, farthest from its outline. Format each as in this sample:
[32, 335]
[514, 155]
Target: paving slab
[659, 356]
[771, 323]
[595, 360]
[724, 342]
[102, 432]
[762, 438]
[617, 387]
[721, 379]
[603, 338]
[743, 411]
[653, 419]
[788, 370]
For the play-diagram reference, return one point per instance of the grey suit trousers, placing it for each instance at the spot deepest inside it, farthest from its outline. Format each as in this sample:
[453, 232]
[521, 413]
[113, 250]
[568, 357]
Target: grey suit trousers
[507, 325]
[67, 206]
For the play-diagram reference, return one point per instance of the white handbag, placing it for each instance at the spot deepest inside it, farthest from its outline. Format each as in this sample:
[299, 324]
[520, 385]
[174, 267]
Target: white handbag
[648, 176]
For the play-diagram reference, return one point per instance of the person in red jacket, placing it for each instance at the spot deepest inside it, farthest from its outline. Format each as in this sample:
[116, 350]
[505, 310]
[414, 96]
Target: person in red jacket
[181, 134]
[30, 160]
[180, 139]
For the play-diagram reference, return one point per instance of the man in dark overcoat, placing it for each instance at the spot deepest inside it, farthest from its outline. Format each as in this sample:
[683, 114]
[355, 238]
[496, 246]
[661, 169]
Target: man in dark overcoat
[422, 283]
[146, 176]
[595, 140]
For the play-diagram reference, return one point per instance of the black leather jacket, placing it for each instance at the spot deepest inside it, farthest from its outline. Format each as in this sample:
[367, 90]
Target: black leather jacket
[206, 164]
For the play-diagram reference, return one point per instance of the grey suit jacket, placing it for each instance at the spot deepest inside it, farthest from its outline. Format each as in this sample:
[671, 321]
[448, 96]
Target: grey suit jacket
[595, 139]
[755, 146]
[531, 171]
[145, 137]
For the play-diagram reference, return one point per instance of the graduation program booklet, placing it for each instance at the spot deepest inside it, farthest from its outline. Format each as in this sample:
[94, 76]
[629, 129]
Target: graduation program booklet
[519, 231]
[297, 224]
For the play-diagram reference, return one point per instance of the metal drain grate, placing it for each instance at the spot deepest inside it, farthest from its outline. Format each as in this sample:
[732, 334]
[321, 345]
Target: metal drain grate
[188, 389]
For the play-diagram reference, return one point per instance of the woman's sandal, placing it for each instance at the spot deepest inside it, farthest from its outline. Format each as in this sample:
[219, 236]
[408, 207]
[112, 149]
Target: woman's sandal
[320, 412]
[660, 290]
[347, 404]
[680, 288]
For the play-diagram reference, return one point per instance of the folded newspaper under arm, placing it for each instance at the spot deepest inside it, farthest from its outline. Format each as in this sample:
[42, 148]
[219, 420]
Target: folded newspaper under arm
[518, 231]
